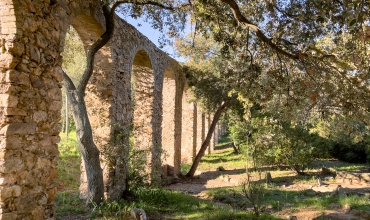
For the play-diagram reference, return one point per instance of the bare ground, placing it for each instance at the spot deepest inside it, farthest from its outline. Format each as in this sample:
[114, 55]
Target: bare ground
[216, 179]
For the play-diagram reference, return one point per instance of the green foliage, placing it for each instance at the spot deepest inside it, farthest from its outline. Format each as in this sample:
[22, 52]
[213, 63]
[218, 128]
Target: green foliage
[269, 140]
[169, 204]
[350, 138]
[69, 203]
[68, 200]
[253, 192]
[74, 56]
[138, 175]
[280, 199]
[307, 54]
[74, 62]
[297, 147]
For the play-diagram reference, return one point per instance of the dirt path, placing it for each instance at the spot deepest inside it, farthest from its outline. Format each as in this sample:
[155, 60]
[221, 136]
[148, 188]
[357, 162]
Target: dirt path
[216, 179]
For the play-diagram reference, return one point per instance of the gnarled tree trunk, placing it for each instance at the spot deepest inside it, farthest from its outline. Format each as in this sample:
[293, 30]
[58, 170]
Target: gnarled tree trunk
[89, 151]
[207, 141]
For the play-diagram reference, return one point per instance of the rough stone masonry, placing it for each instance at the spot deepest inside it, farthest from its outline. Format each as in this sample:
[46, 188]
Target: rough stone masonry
[132, 79]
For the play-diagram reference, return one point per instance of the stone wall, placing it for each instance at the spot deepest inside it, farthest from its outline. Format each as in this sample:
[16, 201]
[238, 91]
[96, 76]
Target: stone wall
[168, 123]
[189, 124]
[31, 40]
[127, 43]
[31, 36]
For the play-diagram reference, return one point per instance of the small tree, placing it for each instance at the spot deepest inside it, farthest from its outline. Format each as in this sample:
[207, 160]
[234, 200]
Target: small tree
[297, 147]
[253, 192]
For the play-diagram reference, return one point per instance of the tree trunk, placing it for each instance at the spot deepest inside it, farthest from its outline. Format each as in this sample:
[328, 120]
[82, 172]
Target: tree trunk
[89, 151]
[206, 142]
[236, 151]
[67, 118]
[195, 129]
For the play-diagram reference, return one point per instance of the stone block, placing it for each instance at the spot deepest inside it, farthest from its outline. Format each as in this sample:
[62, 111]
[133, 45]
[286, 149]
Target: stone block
[13, 164]
[51, 193]
[26, 204]
[41, 41]
[13, 76]
[43, 163]
[57, 73]
[14, 111]
[8, 61]
[18, 128]
[7, 179]
[7, 100]
[38, 213]
[8, 216]
[56, 106]
[40, 116]
[37, 82]
[365, 176]
[34, 53]
[12, 191]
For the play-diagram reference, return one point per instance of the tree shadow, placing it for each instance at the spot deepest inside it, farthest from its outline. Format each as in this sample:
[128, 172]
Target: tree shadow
[225, 172]
[224, 146]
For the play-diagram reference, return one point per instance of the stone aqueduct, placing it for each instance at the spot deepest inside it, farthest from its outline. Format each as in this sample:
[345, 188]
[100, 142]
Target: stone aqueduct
[32, 36]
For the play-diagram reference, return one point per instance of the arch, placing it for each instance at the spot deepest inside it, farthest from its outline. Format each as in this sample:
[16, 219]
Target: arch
[189, 129]
[98, 98]
[142, 90]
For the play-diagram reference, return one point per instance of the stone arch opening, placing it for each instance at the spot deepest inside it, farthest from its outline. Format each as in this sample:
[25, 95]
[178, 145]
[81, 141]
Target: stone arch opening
[168, 122]
[98, 96]
[189, 128]
[142, 88]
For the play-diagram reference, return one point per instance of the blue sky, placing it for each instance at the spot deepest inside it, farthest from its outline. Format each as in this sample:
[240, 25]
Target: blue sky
[153, 35]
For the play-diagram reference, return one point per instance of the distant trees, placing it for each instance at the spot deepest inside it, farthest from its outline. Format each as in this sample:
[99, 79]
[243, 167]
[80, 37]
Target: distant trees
[293, 59]
[350, 139]
[74, 60]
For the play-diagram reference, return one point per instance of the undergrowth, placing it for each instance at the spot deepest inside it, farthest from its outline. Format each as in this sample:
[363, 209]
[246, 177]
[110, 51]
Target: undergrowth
[69, 162]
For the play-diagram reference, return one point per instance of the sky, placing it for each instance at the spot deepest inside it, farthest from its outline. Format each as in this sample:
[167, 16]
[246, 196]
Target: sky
[154, 35]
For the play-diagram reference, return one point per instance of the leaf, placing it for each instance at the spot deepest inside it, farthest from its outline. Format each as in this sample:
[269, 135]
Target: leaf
[320, 19]
[352, 22]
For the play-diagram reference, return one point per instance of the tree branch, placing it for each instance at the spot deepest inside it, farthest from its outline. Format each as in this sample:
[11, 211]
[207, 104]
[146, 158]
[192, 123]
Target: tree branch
[163, 6]
[67, 82]
[106, 36]
[243, 20]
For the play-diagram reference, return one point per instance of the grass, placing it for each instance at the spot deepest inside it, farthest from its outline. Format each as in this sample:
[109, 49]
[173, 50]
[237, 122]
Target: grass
[226, 203]
[164, 204]
[69, 203]
[158, 203]
[224, 157]
[67, 199]
[278, 199]
[343, 166]
[69, 163]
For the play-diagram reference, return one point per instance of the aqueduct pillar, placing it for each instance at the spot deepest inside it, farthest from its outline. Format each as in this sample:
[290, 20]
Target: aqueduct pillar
[31, 40]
